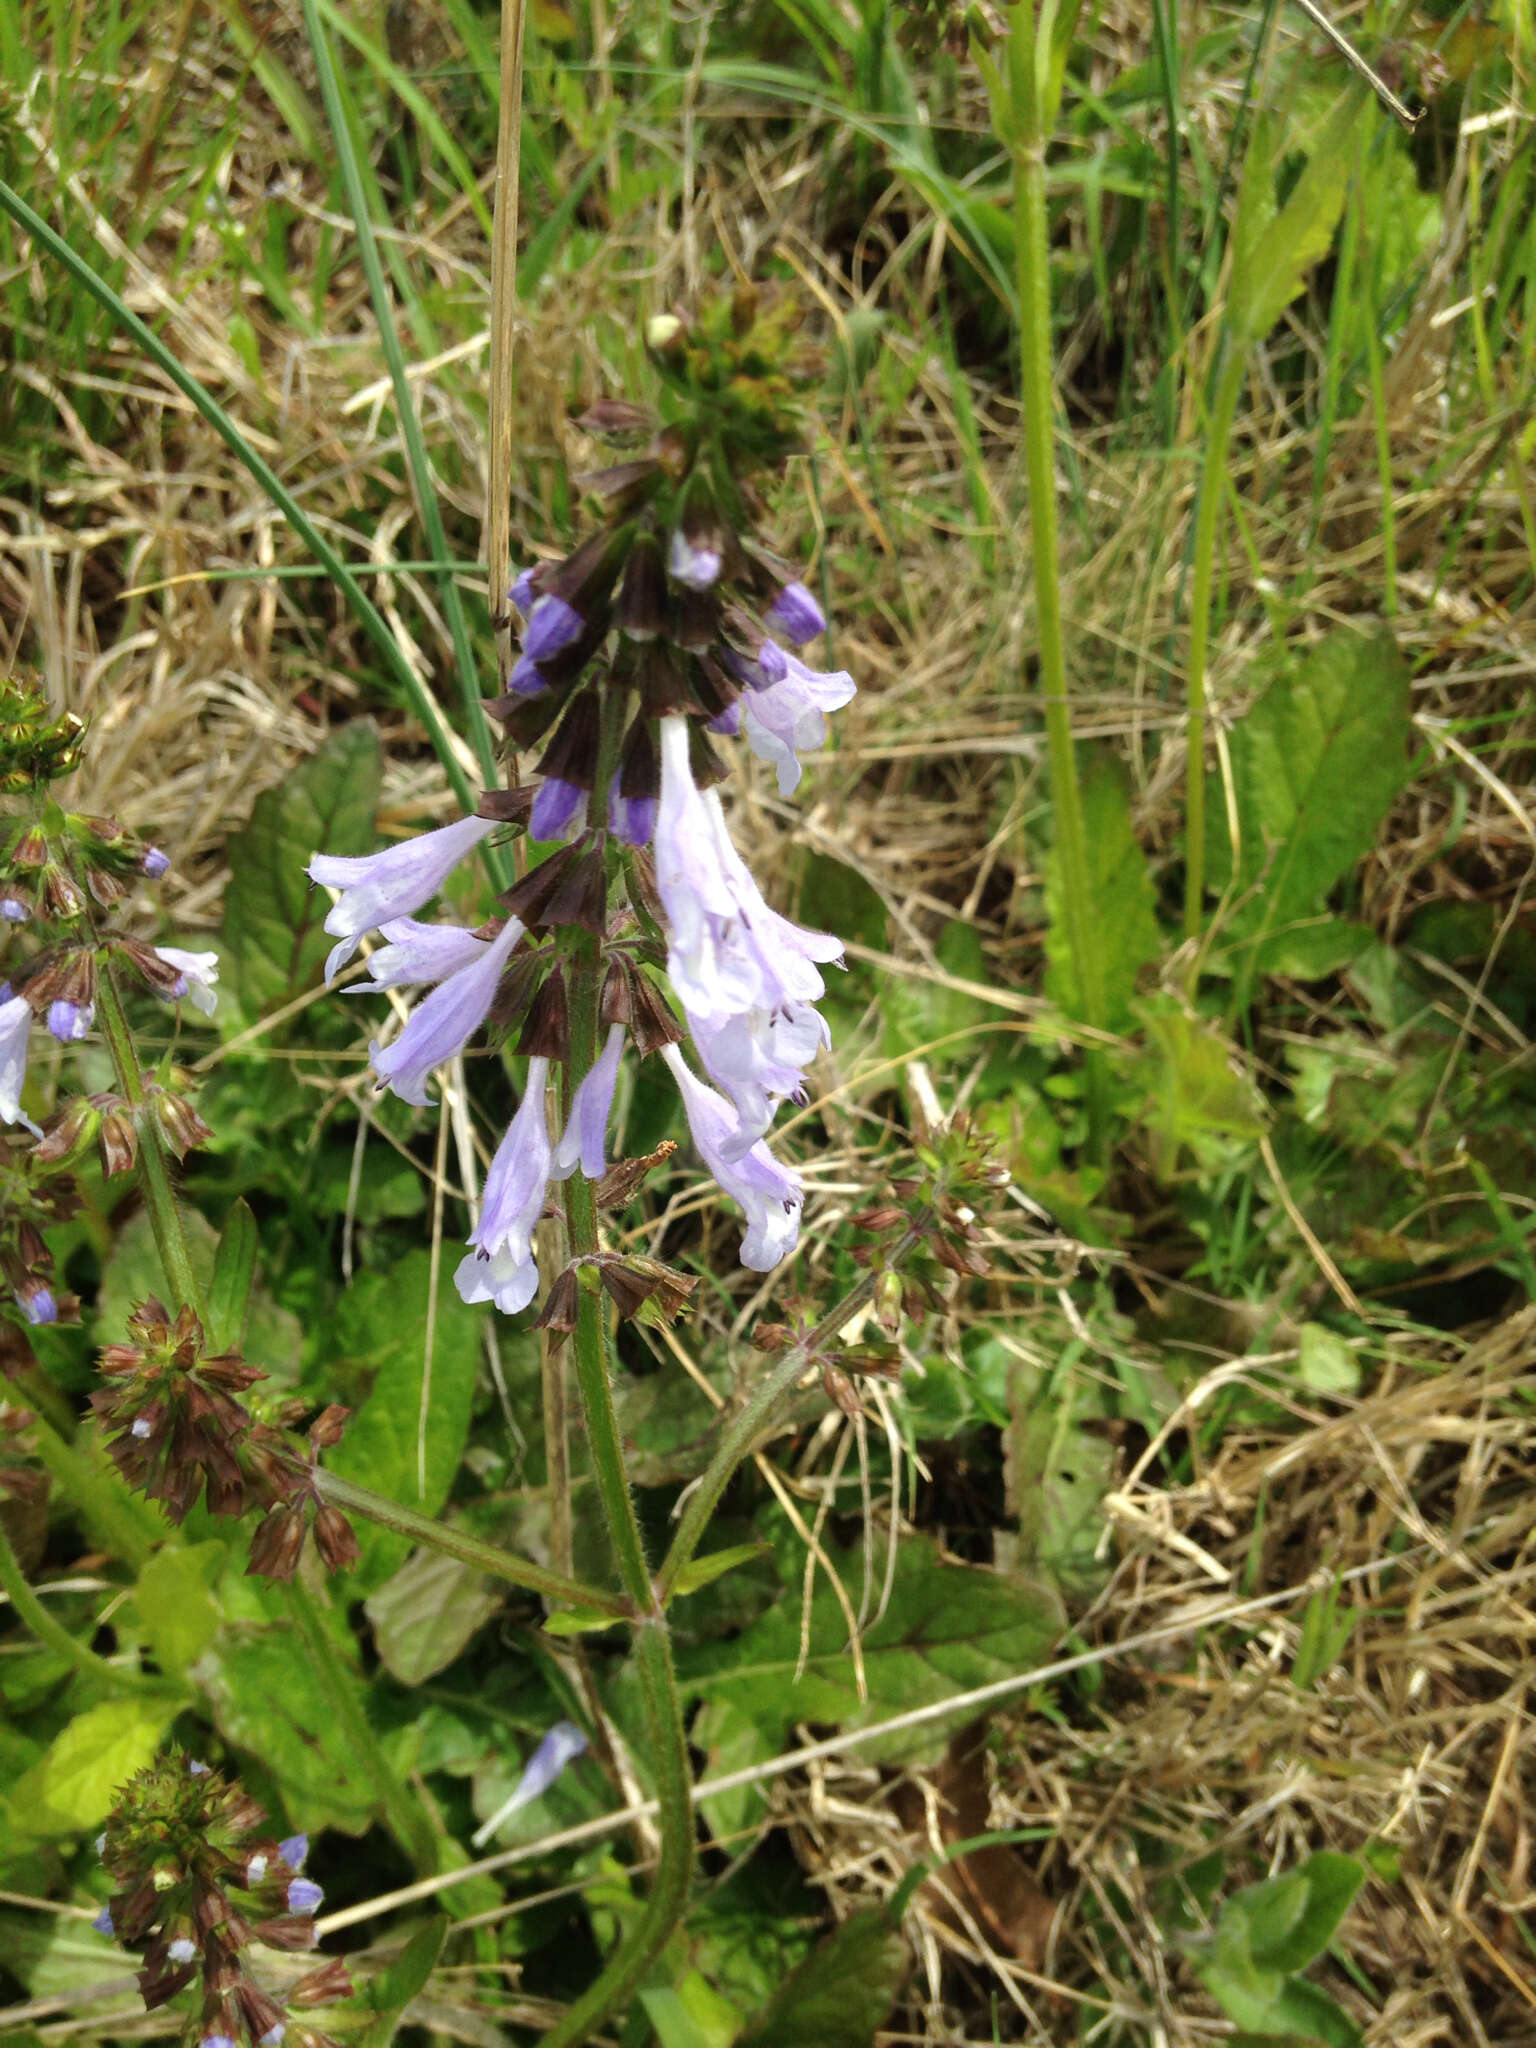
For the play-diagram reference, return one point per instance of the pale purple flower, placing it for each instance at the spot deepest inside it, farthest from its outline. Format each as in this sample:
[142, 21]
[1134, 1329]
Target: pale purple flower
[558, 807]
[181, 1950]
[552, 625]
[273, 2037]
[788, 718]
[698, 567]
[196, 1769]
[500, 1266]
[154, 863]
[69, 1022]
[727, 722]
[13, 910]
[103, 1923]
[560, 1746]
[583, 1142]
[379, 886]
[255, 1870]
[294, 1849]
[216, 2041]
[197, 973]
[797, 614]
[770, 1195]
[15, 1032]
[521, 593]
[442, 1025]
[141, 1427]
[746, 977]
[418, 953]
[35, 1299]
[304, 1895]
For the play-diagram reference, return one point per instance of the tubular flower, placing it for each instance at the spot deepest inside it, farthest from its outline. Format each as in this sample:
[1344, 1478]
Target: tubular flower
[586, 1132]
[15, 1028]
[769, 1194]
[787, 718]
[500, 1264]
[444, 1023]
[390, 884]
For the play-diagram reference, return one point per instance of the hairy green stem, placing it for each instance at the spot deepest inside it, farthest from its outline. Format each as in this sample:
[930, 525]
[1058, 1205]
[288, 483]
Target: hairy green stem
[400, 1810]
[153, 1169]
[339, 114]
[1029, 54]
[667, 1736]
[54, 1636]
[1213, 485]
[486, 1557]
[741, 1434]
[368, 616]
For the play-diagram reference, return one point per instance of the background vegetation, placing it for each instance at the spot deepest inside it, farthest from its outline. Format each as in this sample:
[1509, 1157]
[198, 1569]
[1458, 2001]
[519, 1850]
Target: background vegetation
[1236, 1423]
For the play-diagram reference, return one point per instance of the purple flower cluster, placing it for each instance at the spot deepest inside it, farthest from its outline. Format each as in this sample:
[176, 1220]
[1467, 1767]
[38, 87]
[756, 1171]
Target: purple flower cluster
[665, 632]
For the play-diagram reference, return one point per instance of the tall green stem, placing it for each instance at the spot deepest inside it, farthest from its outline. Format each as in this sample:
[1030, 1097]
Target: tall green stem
[652, 1650]
[54, 1636]
[1029, 53]
[153, 1170]
[1213, 484]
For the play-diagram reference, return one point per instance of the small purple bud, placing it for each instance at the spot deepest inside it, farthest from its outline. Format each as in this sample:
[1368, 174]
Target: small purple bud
[13, 910]
[101, 1845]
[216, 2041]
[103, 1921]
[556, 808]
[631, 818]
[154, 863]
[293, 1851]
[70, 1021]
[36, 1302]
[141, 1427]
[699, 568]
[272, 2038]
[521, 593]
[195, 1769]
[304, 1896]
[728, 722]
[797, 614]
[552, 624]
[255, 1870]
[181, 1950]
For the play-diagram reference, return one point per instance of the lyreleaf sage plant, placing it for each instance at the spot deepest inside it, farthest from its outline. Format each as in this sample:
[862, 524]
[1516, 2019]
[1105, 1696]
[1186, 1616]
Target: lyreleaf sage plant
[669, 629]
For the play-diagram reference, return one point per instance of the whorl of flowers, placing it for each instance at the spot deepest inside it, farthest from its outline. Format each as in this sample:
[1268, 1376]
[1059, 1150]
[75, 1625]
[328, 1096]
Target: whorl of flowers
[196, 1881]
[670, 629]
[181, 1431]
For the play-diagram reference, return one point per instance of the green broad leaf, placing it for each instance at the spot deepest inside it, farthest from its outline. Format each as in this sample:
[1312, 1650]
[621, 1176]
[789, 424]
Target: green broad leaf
[731, 1741]
[843, 1992]
[55, 1958]
[176, 1604]
[700, 1571]
[1326, 1363]
[675, 2026]
[272, 938]
[1197, 1092]
[393, 1988]
[918, 1012]
[268, 1700]
[946, 1629]
[1317, 949]
[426, 1613]
[1316, 765]
[74, 1785]
[1275, 252]
[1286, 1933]
[578, 1621]
[234, 1268]
[1122, 923]
[273, 1338]
[381, 1326]
[1058, 1471]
